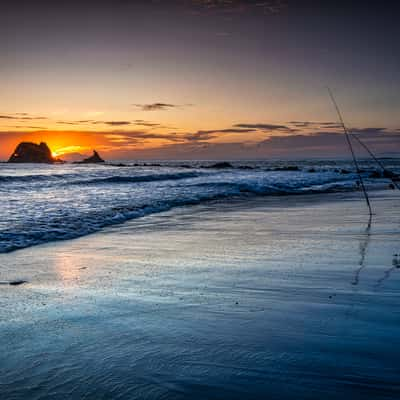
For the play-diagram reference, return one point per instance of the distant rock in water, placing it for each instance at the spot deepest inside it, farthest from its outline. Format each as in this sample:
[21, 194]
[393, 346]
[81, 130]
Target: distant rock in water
[94, 159]
[27, 152]
[118, 165]
[287, 168]
[220, 165]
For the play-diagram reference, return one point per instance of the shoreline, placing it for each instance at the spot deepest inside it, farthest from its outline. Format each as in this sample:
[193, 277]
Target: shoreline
[289, 298]
[151, 222]
[245, 200]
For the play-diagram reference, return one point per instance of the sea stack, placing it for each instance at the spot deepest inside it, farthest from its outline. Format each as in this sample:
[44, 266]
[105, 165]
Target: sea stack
[27, 152]
[94, 159]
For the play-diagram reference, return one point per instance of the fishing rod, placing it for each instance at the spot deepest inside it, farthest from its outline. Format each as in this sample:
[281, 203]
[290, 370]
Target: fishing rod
[389, 174]
[346, 132]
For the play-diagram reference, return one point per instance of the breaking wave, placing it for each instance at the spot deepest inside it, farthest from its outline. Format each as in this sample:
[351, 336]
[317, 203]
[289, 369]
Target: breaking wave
[138, 178]
[63, 204]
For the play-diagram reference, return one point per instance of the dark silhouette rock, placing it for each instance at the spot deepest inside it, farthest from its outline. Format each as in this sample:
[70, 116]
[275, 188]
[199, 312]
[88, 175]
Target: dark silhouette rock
[221, 165]
[17, 282]
[118, 165]
[13, 283]
[94, 159]
[27, 152]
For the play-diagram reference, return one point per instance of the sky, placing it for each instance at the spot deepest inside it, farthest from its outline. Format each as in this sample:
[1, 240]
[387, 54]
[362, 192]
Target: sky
[199, 79]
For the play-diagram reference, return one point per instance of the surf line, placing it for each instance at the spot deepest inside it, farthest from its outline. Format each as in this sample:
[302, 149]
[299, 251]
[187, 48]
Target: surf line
[347, 135]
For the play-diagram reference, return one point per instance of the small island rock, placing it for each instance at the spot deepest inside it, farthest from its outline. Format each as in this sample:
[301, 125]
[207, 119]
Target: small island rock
[27, 152]
[94, 159]
[220, 165]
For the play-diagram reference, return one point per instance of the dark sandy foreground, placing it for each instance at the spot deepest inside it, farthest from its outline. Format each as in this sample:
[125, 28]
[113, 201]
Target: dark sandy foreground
[273, 298]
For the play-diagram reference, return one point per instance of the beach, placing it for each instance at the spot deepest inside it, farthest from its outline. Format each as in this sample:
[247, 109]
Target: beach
[199, 200]
[278, 297]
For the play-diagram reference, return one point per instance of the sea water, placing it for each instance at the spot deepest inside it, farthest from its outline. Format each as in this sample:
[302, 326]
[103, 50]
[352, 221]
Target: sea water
[42, 203]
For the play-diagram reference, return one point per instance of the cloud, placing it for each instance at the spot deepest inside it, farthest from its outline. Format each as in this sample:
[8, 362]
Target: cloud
[156, 106]
[317, 145]
[66, 123]
[141, 122]
[86, 121]
[228, 130]
[328, 143]
[267, 7]
[204, 135]
[110, 123]
[138, 122]
[368, 131]
[21, 117]
[265, 127]
[25, 127]
[267, 140]
[117, 123]
[137, 136]
[314, 124]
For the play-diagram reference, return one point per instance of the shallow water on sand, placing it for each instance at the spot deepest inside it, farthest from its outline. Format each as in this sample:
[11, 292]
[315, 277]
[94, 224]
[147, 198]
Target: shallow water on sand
[279, 298]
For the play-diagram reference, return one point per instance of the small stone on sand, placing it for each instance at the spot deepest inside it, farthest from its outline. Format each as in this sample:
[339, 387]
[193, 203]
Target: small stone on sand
[17, 282]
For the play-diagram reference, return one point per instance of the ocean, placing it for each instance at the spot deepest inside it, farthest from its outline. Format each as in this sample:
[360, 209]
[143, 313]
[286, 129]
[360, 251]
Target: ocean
[266, 280]
[42, 203]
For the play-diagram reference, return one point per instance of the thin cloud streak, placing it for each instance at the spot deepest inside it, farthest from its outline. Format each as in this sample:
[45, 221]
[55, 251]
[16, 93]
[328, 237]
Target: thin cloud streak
[109, 123]
[265, 127]
[156, 106]
[21, 117]
[207, 7]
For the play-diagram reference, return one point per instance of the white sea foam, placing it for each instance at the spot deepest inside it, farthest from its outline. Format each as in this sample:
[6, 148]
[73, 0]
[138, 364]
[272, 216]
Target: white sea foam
[43, 203]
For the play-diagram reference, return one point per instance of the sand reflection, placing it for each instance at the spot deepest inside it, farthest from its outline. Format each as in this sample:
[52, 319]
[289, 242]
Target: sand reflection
[68, 267]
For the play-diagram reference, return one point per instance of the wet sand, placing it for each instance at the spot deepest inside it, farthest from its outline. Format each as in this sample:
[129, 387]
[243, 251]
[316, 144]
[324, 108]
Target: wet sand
[278, 298]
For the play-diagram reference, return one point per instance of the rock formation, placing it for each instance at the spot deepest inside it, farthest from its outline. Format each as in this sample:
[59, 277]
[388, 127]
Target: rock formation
[27, 152]
[220, 165]
[95, 158]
